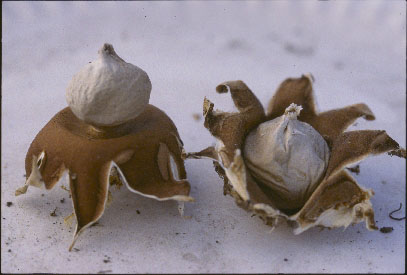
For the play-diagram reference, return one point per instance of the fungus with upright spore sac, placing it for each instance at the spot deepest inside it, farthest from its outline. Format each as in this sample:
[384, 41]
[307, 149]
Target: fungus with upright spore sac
[108, 134]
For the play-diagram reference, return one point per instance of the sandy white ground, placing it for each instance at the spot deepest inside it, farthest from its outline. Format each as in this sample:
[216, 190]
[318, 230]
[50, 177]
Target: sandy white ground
[355, 50]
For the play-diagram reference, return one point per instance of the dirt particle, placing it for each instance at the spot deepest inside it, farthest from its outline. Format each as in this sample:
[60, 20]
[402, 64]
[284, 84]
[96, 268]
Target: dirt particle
[9, 203]
[9, 250]
[63, 200]
[76, 249]
[138, 212]
[104, 271]
[53, 213]
[285, 260]
[386, 229]
[217, 241]
[42, 195]
[196, 116]
[107, 260]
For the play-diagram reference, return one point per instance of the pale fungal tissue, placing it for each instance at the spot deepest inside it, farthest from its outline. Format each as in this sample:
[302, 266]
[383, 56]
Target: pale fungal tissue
[108, 91]
[289, 163]
[109, 135]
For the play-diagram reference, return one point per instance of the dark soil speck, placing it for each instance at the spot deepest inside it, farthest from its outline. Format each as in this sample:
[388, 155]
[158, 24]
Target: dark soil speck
[53, 213]
[9, 203]
[386, 229]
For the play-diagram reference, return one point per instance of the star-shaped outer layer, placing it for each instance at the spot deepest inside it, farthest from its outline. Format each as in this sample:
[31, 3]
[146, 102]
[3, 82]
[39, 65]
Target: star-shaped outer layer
[146, 153]
[338, 200]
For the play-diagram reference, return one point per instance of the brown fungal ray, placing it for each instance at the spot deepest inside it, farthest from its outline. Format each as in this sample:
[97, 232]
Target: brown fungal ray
[294, 90]
[354, 146]
[329, 124]
[89, 192]
[339, 190]
[89, 153]
[232, 128]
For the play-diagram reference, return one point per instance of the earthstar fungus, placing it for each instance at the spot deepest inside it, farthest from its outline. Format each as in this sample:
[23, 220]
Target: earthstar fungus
[108, 134]
[289, 163]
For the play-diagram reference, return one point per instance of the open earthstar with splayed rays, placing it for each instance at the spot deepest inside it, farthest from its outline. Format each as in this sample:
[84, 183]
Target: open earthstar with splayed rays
[108, 135]
[289, 163]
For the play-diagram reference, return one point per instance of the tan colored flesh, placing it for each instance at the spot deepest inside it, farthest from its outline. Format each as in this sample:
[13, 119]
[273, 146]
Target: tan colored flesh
[87, 153]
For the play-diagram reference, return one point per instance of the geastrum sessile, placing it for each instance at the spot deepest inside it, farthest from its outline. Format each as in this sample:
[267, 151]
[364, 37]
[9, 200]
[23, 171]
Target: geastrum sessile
[289, 163]
[108, 134]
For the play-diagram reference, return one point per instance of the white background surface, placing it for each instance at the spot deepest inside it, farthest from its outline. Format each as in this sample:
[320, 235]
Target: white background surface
[355, 50]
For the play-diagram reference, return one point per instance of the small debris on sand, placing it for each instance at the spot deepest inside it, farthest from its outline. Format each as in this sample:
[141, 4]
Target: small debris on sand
[104, 271]
[9, 203]
[196, 116]
[53, 213]
[386, 229]
[107, 260]
[394, 211]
